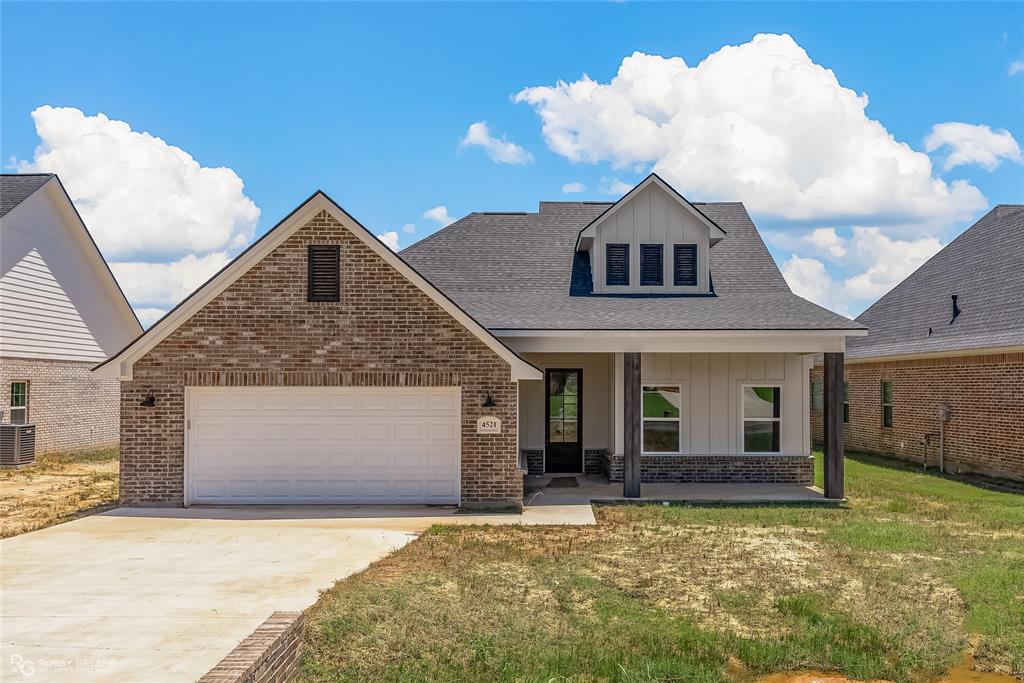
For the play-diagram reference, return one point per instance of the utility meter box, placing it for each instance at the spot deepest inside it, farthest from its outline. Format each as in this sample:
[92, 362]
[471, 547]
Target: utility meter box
[944, 413]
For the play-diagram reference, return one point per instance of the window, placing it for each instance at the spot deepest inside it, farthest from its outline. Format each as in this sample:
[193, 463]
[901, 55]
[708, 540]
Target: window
[651, 265]
[762, 419]
[661, 418]
[617, 264]
[817, 399]
[846, 402]
[887, 404]
[19, 402]
[324, 270]
[684, 265]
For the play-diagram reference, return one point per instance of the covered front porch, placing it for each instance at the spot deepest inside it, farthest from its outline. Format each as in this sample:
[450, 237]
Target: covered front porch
[698, 426]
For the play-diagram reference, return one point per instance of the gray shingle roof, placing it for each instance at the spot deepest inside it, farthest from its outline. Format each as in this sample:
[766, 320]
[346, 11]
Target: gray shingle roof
[984, 267]
[16, 187]
[512, 271]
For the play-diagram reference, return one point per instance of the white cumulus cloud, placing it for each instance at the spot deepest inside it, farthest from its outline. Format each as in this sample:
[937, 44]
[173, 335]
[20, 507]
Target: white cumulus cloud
[409, 228]
[1015, 67]
[389, 238]
[147, 316]
[573, 188]
[808, 277]
[614, 186]
[499, 150]
[439, 214]
[887, 261]
[138, 194]
[973, 144]
[758, 122]
[162, 285]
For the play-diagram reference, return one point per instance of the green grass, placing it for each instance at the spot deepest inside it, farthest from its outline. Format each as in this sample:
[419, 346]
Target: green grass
[890, 586]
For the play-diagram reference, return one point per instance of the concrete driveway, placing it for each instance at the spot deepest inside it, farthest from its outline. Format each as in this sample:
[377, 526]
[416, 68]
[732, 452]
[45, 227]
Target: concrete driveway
[163, 595]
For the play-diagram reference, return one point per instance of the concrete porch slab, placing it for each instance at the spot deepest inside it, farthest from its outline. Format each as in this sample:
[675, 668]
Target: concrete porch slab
[596, 489]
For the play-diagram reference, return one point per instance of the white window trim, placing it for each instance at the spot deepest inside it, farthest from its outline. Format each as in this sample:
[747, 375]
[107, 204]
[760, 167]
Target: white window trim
[11, 408]
[680, 420]
[781, 419]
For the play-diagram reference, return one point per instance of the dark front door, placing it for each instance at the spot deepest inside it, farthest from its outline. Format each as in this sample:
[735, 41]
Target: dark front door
[563, 441]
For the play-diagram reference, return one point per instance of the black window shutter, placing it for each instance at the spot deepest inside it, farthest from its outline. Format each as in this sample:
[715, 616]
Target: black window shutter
[617, 270]
[324, 269]
[684, 265]
[651, 265]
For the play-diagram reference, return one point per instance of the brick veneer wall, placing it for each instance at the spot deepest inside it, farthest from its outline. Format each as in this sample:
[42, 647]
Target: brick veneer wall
[72, 409]
[714, 469]
[984, 392]
[261, 331]
[534, 461]
[268, 655]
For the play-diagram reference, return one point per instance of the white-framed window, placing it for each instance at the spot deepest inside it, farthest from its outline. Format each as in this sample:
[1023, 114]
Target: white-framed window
[886, 403]
[761, 411]
[19, 402]
[662, 416]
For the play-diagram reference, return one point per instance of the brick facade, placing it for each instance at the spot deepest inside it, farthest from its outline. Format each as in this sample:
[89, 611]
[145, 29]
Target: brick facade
[986, 433]
[717, 469]
[72, 409]
[261, 331]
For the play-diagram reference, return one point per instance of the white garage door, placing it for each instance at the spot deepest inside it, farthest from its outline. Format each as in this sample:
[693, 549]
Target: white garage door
[272, 445]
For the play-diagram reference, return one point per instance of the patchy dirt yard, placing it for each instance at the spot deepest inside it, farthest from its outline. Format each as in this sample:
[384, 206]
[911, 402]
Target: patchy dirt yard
[57, 488]
[898, 585]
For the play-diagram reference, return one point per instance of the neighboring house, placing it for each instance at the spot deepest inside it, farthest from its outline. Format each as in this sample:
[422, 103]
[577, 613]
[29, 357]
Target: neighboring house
[950, 335]
[61, 311]
[320, 367]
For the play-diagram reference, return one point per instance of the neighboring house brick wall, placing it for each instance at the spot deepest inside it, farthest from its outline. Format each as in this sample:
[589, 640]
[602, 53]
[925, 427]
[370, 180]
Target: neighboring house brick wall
[986, 433]
[261, 331]
[72, 409]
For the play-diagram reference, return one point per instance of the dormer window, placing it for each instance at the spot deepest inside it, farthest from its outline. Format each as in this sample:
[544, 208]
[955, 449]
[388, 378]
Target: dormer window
[652, 266]
[617, 265]
[684, 265]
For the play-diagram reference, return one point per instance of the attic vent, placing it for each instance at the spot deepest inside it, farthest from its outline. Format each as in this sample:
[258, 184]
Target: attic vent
[324, 269]
[956, 310]
[617, 264]
[651, 265]
[684, 265]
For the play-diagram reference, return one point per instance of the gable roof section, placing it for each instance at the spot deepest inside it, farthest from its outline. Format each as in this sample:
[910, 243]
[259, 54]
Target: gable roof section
[983, 266]
[16, 188]
[716, 232]
[513, 272]
[120, 364]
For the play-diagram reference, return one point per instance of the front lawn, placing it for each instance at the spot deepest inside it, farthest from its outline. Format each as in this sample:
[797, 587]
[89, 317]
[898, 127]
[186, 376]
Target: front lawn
[58, 487]
[893, 586]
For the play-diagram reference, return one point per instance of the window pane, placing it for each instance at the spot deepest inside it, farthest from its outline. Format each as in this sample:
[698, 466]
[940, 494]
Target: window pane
[887, 416]
[661, 437]
[555, 406]
[761, 401]
[886, 392]
[570, 432]
[18, 415]
[572, 384]
[569, 407]
[846, 412]
[846, 392]
[661, 402]
[555, 431]
[18, 393]
[761, 437]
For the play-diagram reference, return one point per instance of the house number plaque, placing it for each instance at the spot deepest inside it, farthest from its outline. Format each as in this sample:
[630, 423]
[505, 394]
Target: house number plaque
[488, 424]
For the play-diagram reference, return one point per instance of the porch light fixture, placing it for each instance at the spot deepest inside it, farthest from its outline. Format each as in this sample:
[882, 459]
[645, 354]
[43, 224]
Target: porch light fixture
[489, 402]
[149, 401]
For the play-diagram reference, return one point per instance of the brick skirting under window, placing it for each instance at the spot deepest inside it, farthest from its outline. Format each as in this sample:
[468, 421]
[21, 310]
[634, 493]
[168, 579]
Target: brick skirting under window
[715, 469]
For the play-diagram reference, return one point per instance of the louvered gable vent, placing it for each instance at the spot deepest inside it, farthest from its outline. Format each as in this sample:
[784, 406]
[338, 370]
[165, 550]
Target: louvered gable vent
[684, 262]
[617, 264]
[324, 273]
[651, 265]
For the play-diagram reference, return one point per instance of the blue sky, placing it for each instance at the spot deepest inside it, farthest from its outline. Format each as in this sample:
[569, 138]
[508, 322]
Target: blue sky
[370, 102]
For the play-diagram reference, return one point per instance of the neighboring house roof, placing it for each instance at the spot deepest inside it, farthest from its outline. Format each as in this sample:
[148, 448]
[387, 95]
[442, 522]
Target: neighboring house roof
[513, 271]
[983, 267]
[119, 364]
[58, 298]
[16, 187]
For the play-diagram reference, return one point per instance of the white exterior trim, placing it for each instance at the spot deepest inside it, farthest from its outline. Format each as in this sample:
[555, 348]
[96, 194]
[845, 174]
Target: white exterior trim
[782, 418]
[678, 341]
[120, 365]
[682, 420]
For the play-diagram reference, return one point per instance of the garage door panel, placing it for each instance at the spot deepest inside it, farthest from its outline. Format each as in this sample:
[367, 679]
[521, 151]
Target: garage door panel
[324, 445]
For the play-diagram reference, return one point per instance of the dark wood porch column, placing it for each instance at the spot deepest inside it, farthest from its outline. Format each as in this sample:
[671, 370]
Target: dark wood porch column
[631, 424]
[834, 425]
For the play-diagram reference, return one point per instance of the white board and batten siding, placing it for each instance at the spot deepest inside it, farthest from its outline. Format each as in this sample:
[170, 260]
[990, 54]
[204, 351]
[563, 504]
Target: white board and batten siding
[651, 217]
[323, 445]
[712, 396]
[58, 301]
